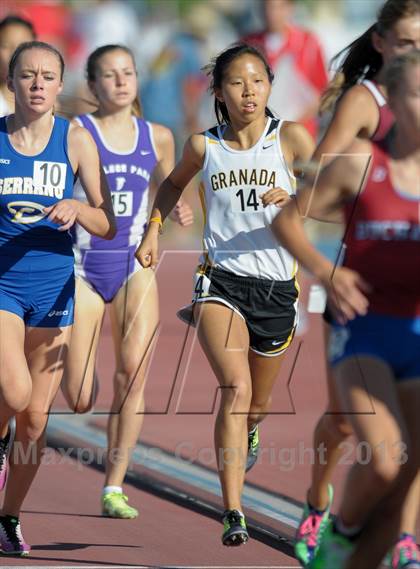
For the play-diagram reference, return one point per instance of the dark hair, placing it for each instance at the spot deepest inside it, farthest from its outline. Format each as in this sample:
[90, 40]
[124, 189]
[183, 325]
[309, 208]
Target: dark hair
[92, 63]
[395, 70]
[361, 58]
[216, 70]
[14, 20]
[34, 45]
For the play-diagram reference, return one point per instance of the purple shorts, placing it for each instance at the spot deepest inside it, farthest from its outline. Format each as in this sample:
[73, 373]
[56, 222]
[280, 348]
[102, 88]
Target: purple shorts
[106, 272]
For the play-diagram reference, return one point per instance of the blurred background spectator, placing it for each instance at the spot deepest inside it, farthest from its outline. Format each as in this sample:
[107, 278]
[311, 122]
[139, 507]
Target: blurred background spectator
[173, 39]
[14, 30]
[174, 91]
[297, 59]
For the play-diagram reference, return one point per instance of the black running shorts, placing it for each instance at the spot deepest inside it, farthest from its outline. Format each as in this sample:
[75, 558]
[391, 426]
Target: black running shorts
[269, 308]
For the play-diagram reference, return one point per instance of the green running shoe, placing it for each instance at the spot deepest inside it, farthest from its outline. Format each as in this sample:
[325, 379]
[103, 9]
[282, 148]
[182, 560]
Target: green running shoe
[114, 505]
[234, 528]
[253, 448]
[333, 552]
[311, 528]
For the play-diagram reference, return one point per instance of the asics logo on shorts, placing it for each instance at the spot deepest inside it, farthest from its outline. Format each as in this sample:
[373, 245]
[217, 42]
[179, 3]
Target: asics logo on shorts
[4, 161]
[26, 212]
[58, 313]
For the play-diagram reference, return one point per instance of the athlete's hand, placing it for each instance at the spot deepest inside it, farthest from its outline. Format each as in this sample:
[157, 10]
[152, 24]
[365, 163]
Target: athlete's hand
[347, 294]
[147, 252]
[182, 214]
[64, 213]
[275, 196]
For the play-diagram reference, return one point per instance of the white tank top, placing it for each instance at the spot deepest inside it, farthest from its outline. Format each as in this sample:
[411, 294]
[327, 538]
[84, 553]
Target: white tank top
[377, 95]
[237, 234]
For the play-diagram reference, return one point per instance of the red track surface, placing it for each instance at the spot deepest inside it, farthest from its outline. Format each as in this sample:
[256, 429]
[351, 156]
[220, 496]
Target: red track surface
[61, 520]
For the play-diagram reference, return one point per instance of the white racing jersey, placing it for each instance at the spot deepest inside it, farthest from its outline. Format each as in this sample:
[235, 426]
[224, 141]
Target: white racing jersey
[237, 234]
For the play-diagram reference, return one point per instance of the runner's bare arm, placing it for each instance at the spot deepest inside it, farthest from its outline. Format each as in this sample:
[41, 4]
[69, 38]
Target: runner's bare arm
[97, 217]
[171, 189]
[168, 195]
[356, 115]
[165, 148]
[339, 182]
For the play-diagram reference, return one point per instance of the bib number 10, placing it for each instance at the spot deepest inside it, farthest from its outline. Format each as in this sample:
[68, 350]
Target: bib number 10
[49, 174]
[245, 201]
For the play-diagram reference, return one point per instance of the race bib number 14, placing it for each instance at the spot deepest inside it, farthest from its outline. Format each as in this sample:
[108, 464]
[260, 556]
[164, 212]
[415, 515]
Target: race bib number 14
[245, 201]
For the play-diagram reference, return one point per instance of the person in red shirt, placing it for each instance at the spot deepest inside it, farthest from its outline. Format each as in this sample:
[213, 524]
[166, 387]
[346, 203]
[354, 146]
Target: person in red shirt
[375, 339]
[298, 63]
[358, 96]
[53, 23]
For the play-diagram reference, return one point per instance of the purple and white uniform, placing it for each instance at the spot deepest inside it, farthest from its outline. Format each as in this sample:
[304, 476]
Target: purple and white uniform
[107, 265]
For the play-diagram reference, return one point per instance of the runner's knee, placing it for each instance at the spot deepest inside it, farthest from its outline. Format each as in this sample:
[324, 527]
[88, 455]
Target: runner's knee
[236, 395]
[384, 471]
[17, 399]
[335, 424]
[79, 400]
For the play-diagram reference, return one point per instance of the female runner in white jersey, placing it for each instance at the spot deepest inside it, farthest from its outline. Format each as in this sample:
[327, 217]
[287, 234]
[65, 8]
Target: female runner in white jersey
[246, 291]
[41, 156]
[134, 153]
[362, 111]
[375, 341]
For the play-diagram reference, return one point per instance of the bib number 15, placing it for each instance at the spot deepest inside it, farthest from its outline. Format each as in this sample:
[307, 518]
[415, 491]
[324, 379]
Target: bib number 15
[245, 201]
[122, 203]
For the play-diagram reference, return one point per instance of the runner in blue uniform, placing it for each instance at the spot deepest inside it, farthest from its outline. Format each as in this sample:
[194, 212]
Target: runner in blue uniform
[40, 157]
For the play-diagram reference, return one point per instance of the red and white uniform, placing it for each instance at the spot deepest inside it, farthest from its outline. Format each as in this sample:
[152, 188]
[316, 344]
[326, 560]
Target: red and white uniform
[383, 241]
[386, 116]
[300, 72]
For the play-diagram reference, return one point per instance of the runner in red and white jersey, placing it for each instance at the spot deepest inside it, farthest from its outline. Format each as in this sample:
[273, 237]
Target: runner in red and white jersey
[375, 339]
[361, 110]
[383, 240]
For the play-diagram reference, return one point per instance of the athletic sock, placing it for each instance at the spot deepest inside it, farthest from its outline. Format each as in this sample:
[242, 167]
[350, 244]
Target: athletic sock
[111, 490]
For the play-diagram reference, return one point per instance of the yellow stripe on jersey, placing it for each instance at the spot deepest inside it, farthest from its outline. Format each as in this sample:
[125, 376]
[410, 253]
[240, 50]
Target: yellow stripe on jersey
[201, 269]
[201, 193]
[270, 137]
